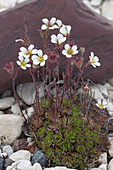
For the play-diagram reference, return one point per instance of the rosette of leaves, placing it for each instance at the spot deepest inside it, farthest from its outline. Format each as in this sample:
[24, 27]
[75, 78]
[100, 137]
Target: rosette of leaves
[74, 141]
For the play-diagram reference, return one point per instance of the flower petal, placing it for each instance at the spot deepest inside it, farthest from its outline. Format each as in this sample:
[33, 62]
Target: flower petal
[67, 46]
[52, 21]
[34, 57]
[21, 58]
[43, 27]
[40, 53]
[42, 63]
[23, 49]
[18, 62]
[97, 64]
[45, 57]
[63, 30]
[53, 38]
[45, 21]
[28, 65]
[59, 22]
[64, 52]
[23, 67]
[36, 62]
[68, 28]
[26, 60]
[34, 51]
[31, 47]
[92, 54]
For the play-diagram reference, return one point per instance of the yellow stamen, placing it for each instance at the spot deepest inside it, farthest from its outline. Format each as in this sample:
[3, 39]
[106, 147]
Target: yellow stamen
[41, 59]
[28, 52]
[92, 61]
[70, 51]
[23, 63]
[101, 106]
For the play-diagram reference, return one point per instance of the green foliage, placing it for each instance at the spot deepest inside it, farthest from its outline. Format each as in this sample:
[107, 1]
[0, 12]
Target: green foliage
[73, 142]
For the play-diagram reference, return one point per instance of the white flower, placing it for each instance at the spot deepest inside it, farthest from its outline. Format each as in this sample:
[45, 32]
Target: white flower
[49, 24]
[27, 52]
[69, 51]
[94, 60]
[59, 39]
[23, 63]
[59, 23]
[101, 104]
[40, 58]
[65, 30]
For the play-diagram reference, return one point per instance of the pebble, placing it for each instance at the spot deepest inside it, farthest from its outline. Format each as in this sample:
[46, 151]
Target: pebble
[96, 2]
[6, 102]
[26, 92]
[59, 168]
[107, 9]
[1, 163]
[36, 166]
[7, 162]
[19, 165]
[39, 157]
[10, 127]
[110, 166]
[103, 158]
[103, 167]
[8, 149]
[20, 155]
[15, 108]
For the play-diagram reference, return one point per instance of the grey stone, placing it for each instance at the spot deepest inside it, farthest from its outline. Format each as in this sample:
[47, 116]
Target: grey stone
[110, 166]
[107, 9]
[96, 2]
[26, 92]
[6, 102]
[7, 162]
[15, 108]
[10, 128]
[59, 168]
[8, 149]
[19, 165]
[20, 155]
[39, 157]
[1, 163]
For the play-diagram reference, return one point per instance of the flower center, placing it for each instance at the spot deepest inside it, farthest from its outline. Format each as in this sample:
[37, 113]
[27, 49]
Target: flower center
[28, 52]
[70, 51]
[23, 63]
[41, 59]
[93, 61]
[101, 106]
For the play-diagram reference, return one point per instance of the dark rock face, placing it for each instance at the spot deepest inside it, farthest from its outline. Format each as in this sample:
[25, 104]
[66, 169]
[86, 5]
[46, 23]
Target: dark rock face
[89, 30]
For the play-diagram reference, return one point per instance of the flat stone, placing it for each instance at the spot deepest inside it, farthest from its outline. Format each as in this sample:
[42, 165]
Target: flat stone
[20, 155]
[97, 29]
[10, 128]
[6, 102]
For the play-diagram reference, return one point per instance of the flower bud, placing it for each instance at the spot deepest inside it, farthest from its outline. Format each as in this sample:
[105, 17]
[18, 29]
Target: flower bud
[9, 67]
[24, 40]
[79, 62]
[85, 88]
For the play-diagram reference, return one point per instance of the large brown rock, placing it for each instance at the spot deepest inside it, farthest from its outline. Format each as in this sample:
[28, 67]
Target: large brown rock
[89, 30]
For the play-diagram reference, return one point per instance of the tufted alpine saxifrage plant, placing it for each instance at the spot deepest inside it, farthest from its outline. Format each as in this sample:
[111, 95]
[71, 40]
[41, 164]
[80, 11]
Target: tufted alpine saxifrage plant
[70, 133]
